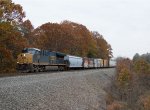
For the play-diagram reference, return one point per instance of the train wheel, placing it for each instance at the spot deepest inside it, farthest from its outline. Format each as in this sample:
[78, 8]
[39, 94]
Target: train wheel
[60, 68]
[35, 68]
[63, 68]
[42, 68]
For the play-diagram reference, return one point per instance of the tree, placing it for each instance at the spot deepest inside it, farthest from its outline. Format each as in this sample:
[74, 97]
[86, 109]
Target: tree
[27, 31]
[6, 60]
[11, 12]
[71, 38]
[52, 36]
[141, 66]
[146, 57]
[110, 53]
[103, 48]
[83, 39]
[11, 39]
[136, 57]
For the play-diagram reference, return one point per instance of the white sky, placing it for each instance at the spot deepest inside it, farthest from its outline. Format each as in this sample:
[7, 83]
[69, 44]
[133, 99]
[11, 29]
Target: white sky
[125, 24]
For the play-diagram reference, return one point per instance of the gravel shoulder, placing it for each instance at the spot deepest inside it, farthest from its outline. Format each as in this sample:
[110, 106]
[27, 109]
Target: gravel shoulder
[71, 90]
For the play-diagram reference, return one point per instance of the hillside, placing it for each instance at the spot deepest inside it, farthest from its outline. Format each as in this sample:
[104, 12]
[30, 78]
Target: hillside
[72, 90]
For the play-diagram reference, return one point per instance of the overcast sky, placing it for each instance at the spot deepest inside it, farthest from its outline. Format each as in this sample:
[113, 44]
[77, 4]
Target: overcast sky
[125, 24]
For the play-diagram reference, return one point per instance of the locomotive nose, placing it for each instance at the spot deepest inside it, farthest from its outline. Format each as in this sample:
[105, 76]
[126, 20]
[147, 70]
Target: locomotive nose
[24, 58]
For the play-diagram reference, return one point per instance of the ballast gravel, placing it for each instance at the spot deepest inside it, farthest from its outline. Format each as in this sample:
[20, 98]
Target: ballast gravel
[69, 90]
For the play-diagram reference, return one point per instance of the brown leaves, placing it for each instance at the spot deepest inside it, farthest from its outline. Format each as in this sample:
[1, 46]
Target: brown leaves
[70, 37]
[144, 102]
[10, 12]
[142, 66]
[11, 38]
[116, 106]
[124, 71]
[6, 60]
[104, 49]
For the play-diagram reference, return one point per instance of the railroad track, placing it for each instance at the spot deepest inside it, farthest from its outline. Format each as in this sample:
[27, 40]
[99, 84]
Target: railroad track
[46, 72]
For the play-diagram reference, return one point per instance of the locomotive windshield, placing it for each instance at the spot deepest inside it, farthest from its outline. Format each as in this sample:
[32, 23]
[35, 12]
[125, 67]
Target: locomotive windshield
[30, 50]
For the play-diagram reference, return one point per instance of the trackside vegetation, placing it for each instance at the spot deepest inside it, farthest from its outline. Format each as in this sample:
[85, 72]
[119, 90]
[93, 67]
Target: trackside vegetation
[131, 87]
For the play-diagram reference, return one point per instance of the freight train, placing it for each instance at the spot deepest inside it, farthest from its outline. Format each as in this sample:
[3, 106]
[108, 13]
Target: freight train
[33, 60]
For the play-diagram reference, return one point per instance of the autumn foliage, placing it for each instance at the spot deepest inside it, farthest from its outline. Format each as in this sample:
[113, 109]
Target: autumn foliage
[11, 40]
[68, 37]
[115, 106]
[5, 60]
[142, 66]
[124, 71]
[144, 102]
[131, 86]
[71, 38]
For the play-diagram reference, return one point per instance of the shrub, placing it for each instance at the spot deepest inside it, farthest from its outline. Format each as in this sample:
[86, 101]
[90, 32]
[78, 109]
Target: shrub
[7, 63]
[141, 66]
[123, 71]
[124, 76]
[115, 106]
[144, 102]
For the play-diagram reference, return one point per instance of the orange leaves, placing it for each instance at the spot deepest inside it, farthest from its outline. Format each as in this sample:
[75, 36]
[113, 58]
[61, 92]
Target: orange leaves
[70, 37]
[104, 49]
[11, 40]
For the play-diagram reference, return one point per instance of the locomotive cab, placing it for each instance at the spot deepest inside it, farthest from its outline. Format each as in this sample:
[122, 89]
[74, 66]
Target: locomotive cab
[26, 56]
[25, 59]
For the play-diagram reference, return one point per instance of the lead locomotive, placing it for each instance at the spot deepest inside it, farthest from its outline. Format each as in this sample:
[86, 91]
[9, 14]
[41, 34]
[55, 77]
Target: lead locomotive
[33, 59]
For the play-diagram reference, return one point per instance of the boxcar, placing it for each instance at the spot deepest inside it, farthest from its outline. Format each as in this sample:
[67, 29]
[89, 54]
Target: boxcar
[85, 62]
[112, 63]
[99, 63]
[90, 62]
[105, 63]
[95, 63]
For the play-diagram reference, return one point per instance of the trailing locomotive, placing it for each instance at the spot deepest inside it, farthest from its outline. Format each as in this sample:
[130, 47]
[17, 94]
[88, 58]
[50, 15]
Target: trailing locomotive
[33, 60]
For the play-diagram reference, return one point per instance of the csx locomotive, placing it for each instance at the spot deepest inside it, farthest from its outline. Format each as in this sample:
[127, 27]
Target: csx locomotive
[33, 60]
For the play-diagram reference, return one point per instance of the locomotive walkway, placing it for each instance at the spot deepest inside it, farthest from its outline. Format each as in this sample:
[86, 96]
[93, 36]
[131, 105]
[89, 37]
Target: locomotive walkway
[71, 90]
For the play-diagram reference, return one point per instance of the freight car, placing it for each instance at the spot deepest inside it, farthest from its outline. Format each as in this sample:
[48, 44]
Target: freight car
[112, 63]
[97, 63]
[33, 60]
[92, 63]
[73, 61]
